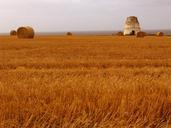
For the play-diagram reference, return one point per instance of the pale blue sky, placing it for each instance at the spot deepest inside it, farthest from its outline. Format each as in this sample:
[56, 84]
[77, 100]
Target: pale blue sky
[83, 15]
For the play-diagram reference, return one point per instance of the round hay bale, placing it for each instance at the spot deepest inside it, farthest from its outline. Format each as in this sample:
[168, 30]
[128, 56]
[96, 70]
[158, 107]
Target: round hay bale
[25, 32]
[13, 33]
[69, 34]
[159, 34]
[141, 34]
[119, 34]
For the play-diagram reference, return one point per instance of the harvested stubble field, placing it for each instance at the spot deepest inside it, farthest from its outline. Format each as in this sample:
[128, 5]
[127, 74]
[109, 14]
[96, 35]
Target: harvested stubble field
[85, 82]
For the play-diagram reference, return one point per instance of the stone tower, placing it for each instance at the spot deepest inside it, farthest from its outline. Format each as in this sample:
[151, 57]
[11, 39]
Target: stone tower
[132, 26]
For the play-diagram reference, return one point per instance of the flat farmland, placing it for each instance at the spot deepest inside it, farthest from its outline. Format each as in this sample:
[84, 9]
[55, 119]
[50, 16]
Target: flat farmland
[85, 82]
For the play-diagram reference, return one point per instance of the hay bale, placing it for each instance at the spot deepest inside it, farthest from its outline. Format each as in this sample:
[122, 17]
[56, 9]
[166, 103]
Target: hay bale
[140, 34]
[119, 34]
[69, 34]
[25, 32]
[159, 34]
[13, 33]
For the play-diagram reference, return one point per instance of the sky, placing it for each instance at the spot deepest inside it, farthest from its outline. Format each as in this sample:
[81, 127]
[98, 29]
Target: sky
[83, 15]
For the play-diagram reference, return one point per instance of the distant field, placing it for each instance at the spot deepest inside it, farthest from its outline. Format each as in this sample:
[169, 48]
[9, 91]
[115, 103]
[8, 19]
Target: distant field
[85, 82]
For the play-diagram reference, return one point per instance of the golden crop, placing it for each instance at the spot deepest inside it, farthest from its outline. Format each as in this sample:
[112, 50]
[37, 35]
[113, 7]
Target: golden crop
[85, 82]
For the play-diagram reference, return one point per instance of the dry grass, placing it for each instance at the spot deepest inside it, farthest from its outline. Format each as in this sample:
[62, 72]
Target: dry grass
[85, 82]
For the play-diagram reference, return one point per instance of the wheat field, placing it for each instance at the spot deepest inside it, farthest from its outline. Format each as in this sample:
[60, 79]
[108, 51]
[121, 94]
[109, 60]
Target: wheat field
[85, 82]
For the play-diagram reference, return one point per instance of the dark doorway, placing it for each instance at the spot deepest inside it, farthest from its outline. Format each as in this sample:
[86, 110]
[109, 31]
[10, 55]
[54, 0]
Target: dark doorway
[133, 32]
